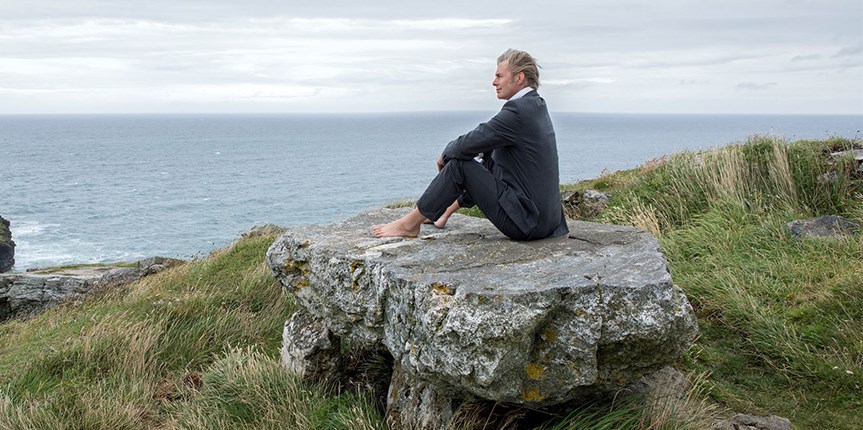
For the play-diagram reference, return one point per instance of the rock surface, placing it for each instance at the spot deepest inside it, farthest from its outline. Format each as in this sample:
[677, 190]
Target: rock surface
[25, 294]
[7, 247]
[753, 422]
[857, 154]
[824, 226]
[467, 313]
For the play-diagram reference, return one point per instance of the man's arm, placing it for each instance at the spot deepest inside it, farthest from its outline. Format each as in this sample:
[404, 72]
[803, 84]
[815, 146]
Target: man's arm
[500, 131]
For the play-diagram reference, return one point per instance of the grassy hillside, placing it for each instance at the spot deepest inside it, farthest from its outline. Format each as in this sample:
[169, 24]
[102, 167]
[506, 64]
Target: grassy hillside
[781, 318]
[196, 347]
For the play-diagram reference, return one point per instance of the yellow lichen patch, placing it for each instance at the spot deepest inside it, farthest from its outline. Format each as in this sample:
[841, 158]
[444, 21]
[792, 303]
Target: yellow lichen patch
[580, 313]
[534, 371]
[532, 395]
[306, 244]
[298, 268]
[441, 289]
[550, 335]
[301, 283]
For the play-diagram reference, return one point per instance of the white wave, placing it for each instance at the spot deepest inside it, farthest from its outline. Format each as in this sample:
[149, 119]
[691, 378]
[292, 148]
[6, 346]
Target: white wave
[29, 228]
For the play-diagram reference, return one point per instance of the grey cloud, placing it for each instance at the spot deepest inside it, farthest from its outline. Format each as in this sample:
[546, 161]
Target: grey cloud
[392, 50]
[806, 57]
[849, 51]
[755, 85]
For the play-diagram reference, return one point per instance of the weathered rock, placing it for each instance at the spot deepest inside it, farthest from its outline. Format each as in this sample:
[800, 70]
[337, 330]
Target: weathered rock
[7, 246]
[823, 226]
[474, 314]
[857, 154]
[753, 422]
[309, 348]
[581, 204]
[24, 294]
[261, 230]
[415, 404]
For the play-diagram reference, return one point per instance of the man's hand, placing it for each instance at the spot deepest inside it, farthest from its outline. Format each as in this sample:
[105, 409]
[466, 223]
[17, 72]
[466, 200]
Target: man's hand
[439, 163]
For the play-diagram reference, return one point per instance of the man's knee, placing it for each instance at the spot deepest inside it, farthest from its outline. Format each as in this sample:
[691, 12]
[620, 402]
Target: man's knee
[459, 169]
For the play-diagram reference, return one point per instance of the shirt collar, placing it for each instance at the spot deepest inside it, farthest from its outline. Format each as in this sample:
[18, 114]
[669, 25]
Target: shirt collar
[521, 93]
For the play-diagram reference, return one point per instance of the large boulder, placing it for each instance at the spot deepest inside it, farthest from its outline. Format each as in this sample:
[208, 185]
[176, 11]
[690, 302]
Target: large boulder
[467, 313]
[7, 247]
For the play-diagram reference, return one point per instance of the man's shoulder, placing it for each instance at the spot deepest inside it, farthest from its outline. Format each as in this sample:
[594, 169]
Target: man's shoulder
[529, 101]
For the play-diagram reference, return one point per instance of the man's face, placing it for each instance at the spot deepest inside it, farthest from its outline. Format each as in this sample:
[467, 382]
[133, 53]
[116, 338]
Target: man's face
[505, 83]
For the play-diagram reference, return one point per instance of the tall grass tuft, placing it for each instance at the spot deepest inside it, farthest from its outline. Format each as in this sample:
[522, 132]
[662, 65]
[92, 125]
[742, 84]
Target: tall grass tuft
[247, 389]
[762, 174]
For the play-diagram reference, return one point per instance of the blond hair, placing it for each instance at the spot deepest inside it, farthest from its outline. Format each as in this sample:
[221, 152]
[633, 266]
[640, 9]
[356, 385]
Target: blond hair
[520, 61]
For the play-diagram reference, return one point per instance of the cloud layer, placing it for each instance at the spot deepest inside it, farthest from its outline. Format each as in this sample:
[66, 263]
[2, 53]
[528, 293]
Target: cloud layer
[217, 56]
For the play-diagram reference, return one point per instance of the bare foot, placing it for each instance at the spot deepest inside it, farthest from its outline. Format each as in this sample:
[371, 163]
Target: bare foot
[406, 226]
[396, 228]
[441, 222]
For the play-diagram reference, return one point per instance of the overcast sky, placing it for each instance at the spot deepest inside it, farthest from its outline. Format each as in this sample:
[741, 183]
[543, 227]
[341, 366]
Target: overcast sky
[722, 56]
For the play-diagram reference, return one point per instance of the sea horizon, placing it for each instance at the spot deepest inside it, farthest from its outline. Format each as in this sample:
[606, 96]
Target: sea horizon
[98, 188]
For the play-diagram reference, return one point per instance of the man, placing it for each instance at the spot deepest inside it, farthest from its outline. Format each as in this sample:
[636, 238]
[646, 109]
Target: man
[516, 185]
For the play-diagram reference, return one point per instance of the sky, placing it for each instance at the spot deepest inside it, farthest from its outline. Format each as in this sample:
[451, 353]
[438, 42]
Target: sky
[257, 56]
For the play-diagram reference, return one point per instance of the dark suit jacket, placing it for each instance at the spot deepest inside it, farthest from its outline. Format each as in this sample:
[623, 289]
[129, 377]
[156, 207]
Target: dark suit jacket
[520, 140]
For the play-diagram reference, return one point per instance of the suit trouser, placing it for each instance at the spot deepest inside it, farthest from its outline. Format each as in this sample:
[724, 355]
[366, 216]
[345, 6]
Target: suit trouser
[471, 183]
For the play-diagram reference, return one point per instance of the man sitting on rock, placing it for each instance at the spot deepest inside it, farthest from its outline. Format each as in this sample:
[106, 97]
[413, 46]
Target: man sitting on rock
[516, 183]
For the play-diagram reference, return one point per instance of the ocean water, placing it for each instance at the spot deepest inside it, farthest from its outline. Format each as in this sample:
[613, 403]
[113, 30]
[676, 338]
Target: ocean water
[104, 188]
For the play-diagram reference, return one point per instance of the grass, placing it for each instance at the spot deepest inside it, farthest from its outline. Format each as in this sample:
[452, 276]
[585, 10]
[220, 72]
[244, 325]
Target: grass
[781, 318]
[196, 346]
[71, 267]
[193, 347]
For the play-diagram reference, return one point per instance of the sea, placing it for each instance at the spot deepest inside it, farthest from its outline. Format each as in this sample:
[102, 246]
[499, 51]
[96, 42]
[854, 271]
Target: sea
[109, 188]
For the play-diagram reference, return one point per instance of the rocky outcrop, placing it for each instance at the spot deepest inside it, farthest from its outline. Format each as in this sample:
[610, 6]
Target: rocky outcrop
[581, 204]
[823, 226]
[467, 313]
[25, 294]
[7, 247]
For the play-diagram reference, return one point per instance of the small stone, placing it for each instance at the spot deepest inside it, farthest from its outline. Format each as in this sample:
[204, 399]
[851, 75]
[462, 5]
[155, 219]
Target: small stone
[754, 422]
[824, 226]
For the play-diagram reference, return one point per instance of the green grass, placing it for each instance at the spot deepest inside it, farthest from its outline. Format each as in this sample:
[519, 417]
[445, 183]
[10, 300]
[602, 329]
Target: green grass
[196, 346]
[781, 318]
